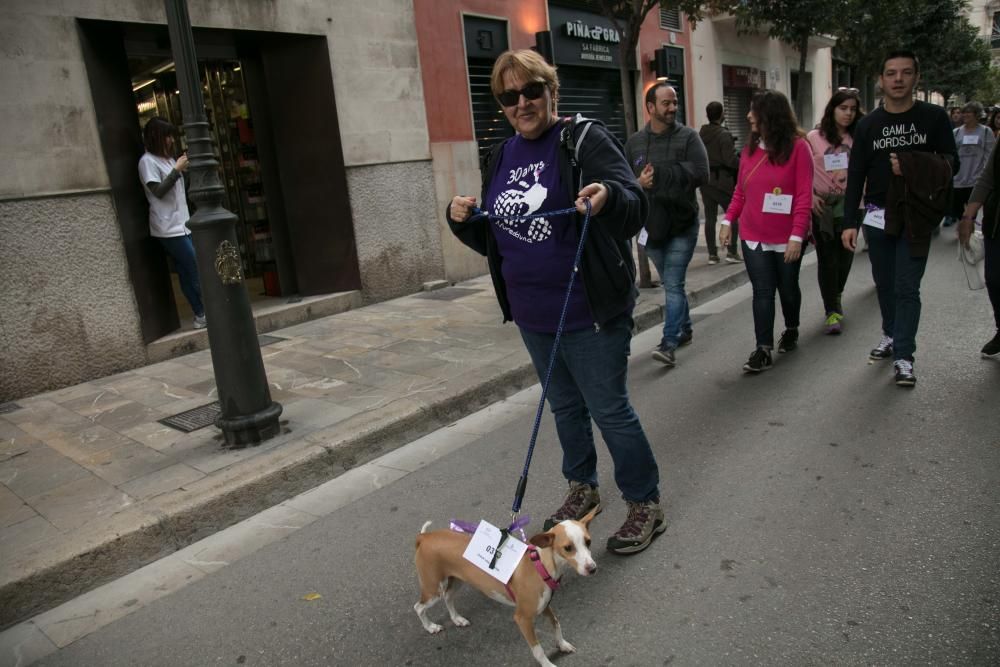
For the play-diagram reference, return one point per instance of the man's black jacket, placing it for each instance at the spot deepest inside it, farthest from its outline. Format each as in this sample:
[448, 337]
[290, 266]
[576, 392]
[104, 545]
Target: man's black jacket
[606, 267]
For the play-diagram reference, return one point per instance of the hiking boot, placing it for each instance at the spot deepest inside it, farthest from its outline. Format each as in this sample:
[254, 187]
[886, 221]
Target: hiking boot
[904, 373]
[644, 522]
[200, 322]
[665, 356]
[580, 499]
[832, 325]
[760, 360]
[883, 350]
[733, 258]
[685, 338]
[992, 348]
[789, 340]
[713, 259]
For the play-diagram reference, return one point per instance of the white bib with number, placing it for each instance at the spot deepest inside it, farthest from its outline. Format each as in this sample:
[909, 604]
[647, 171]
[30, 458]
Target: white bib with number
[835, 161]
[483, 546]
[970, 139]
[875, 218]
[777, 203]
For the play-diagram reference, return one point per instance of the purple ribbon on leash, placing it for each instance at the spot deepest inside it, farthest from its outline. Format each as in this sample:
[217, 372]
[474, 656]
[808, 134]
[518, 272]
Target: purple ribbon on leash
[460, 526]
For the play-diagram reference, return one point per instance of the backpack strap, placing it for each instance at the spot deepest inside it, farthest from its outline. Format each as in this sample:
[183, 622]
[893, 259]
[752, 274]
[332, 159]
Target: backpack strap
[571, 143]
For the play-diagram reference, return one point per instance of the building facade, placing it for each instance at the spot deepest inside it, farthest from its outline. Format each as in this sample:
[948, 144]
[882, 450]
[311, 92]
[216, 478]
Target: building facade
[729, 67]
[318, 112]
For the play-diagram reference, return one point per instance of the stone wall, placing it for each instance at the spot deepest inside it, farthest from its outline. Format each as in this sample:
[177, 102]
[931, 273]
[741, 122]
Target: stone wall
[67, 310]
[396, 228]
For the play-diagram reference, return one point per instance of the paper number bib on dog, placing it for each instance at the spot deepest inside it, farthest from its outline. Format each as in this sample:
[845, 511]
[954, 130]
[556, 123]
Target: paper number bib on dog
[483, 546]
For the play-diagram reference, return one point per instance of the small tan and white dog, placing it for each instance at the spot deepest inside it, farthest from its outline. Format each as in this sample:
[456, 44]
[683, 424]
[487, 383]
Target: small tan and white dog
[441, 566]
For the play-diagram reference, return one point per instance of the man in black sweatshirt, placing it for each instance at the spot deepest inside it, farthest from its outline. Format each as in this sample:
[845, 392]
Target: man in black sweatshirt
[902, 124]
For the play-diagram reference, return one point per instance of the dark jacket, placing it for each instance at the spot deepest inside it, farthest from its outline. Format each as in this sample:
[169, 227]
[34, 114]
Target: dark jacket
[917, 200]
[606, 267]
[723, 161]
[680, 165]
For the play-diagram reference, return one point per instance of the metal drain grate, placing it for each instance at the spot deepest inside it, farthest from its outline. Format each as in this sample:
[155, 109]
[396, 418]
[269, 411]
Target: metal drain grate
[448, 293]
[10, 406]
[265, 339]
[194, 419]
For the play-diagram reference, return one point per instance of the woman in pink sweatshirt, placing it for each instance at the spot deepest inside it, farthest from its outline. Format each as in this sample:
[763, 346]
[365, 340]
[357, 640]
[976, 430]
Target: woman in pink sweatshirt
[773, 203]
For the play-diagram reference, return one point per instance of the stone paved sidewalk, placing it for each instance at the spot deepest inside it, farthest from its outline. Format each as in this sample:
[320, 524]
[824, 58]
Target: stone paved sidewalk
[92, 486]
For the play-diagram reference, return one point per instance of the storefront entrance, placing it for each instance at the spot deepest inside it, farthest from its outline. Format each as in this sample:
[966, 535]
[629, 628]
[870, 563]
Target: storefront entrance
[270, 103]
[154, 86]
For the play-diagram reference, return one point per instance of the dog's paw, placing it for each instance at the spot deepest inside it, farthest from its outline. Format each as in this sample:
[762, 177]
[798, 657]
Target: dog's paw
[433, 628]
[566, 647]
[460, 621]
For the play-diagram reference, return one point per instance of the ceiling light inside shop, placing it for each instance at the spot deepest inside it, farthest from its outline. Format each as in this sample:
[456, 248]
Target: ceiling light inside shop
[164, 68]
[137, 86]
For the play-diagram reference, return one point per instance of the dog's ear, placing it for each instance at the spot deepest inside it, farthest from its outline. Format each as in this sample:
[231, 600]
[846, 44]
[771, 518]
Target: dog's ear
[590, 517]
[542, 540]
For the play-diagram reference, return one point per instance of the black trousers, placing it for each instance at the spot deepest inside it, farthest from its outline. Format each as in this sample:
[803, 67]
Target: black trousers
[833, 266]
[992, 247]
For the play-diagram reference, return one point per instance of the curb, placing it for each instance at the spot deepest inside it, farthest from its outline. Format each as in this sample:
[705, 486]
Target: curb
[305, 467]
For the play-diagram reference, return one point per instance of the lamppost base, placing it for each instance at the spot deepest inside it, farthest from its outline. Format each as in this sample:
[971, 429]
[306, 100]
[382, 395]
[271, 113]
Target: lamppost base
[251, 429]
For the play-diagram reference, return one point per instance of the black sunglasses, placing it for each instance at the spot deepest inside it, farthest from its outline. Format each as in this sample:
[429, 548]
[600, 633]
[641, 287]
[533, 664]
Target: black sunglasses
[532, 91]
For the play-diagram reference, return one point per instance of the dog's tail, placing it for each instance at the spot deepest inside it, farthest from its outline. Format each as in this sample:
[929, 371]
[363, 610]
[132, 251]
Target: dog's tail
[423, 530]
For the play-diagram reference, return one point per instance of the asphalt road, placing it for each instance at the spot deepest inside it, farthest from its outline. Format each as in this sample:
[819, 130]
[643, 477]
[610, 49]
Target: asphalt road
[818, 515]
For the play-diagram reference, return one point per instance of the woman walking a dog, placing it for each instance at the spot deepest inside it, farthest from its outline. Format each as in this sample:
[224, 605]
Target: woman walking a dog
[553, 164]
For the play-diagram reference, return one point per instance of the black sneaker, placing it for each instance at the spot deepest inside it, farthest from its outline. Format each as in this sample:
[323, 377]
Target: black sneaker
[733, 258]
[665, 356]
[580, 499]
[789, 340]
[992, 348]
[644, 522]
[904, 373]
[685, 338]
[713, 259]
[883, 350]
[759, 361]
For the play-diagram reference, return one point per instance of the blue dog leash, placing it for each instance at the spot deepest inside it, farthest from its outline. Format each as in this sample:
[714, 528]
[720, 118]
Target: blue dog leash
[522, 483]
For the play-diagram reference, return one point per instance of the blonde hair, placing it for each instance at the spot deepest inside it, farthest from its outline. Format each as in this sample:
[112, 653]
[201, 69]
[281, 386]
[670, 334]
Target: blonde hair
[527, 65]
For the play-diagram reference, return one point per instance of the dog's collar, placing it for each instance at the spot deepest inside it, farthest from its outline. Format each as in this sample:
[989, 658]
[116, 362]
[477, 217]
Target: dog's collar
[536, 559]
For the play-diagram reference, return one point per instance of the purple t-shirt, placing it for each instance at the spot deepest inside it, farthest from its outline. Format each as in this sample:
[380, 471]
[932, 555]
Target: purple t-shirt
[537, 254]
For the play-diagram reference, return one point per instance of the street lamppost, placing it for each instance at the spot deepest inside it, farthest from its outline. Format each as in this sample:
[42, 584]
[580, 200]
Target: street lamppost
[248, 415]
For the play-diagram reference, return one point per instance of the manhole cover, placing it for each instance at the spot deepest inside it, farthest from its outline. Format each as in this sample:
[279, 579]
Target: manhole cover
[10, 406]
[194, 419]
[265, 339]
[448, 293]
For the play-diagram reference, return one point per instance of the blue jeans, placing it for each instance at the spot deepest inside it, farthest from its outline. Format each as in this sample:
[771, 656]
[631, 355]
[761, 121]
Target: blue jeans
[897, 279]
[671, 261]
[769, 272]
[589, 380]
[182, 250]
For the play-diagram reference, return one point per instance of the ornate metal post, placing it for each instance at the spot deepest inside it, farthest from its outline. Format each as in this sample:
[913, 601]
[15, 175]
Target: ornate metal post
[249, 415]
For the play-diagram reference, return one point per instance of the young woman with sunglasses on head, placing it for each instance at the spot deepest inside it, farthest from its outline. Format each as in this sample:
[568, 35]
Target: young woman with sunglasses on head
[831, 145]
[773, 202]
[531, 261]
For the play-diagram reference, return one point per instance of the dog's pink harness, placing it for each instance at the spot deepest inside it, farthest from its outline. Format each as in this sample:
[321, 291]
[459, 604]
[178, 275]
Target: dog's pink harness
[536, 559]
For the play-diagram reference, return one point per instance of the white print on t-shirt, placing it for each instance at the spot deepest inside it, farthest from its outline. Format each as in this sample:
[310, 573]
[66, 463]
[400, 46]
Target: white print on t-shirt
[897, 136]
[515, 202]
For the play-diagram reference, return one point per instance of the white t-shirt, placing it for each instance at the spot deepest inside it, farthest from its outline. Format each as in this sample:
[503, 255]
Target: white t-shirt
[167, 216]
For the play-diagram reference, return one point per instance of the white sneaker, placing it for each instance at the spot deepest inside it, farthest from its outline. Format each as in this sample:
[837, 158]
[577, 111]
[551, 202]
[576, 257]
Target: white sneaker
[200, 322]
